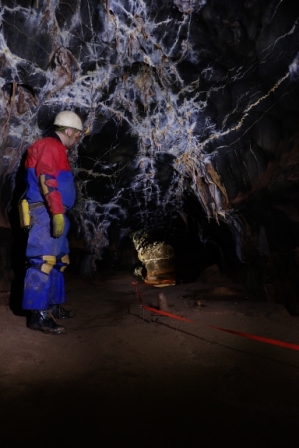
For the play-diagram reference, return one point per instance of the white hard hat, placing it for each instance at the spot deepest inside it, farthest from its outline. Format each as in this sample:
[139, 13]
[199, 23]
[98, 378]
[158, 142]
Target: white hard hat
[68, 119]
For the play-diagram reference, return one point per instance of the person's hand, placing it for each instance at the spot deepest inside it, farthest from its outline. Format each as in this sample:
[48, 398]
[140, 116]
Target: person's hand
[58, 225]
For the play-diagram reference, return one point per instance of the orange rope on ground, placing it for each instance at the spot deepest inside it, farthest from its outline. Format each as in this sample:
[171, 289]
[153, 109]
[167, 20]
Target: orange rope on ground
[237, 333]
[259, 338]
[154, 310]
[164, 313]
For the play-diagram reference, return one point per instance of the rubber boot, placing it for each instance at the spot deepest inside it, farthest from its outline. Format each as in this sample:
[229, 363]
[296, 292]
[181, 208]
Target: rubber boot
[42, 320]
[58, 312]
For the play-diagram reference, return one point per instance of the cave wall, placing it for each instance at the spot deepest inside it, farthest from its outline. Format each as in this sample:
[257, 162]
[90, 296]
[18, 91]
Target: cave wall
[191, 111]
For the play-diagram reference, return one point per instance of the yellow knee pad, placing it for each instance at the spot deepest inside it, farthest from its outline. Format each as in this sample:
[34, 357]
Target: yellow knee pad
[49, 262]
[66, 261]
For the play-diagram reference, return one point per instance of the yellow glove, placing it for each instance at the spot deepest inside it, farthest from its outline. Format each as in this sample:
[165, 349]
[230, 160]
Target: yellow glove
[58, 225]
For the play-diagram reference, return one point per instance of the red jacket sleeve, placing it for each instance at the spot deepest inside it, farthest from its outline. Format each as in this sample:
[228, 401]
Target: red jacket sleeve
[49, 162]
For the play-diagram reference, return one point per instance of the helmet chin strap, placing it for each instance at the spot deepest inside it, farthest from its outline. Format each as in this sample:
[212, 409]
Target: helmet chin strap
[72, 134]
[63, 129]
[69, 136]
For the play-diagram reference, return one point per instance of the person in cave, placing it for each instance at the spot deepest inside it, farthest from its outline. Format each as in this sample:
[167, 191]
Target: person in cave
[50, 194]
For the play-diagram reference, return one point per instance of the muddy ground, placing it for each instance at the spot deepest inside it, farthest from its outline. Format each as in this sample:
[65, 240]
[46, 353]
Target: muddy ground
[118, 378]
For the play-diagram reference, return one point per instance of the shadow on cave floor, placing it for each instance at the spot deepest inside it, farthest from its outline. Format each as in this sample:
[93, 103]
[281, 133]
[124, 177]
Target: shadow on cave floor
[118, 377]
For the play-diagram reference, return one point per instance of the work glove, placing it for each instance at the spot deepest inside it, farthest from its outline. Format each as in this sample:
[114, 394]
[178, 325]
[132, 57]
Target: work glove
[58, 225]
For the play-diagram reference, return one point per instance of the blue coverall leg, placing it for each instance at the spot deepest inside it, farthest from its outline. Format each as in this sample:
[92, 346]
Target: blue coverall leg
[48, 257]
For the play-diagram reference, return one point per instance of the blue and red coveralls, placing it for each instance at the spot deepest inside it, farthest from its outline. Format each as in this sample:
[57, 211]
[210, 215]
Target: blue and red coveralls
[47, 163]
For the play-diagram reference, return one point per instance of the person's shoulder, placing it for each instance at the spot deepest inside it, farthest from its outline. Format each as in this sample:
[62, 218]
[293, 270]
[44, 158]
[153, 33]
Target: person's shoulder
[50, 143]
[51, 140]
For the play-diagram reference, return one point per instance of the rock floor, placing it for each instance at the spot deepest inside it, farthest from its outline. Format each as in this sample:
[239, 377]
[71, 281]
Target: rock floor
[119, 377]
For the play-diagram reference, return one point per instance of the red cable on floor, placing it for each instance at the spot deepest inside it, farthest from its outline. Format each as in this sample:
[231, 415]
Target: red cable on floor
[164, 313]
[237, 333]
[154, 310]
[259, 338]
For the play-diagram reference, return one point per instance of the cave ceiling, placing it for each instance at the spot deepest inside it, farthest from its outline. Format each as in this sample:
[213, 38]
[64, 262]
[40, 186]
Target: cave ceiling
[190, 108]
